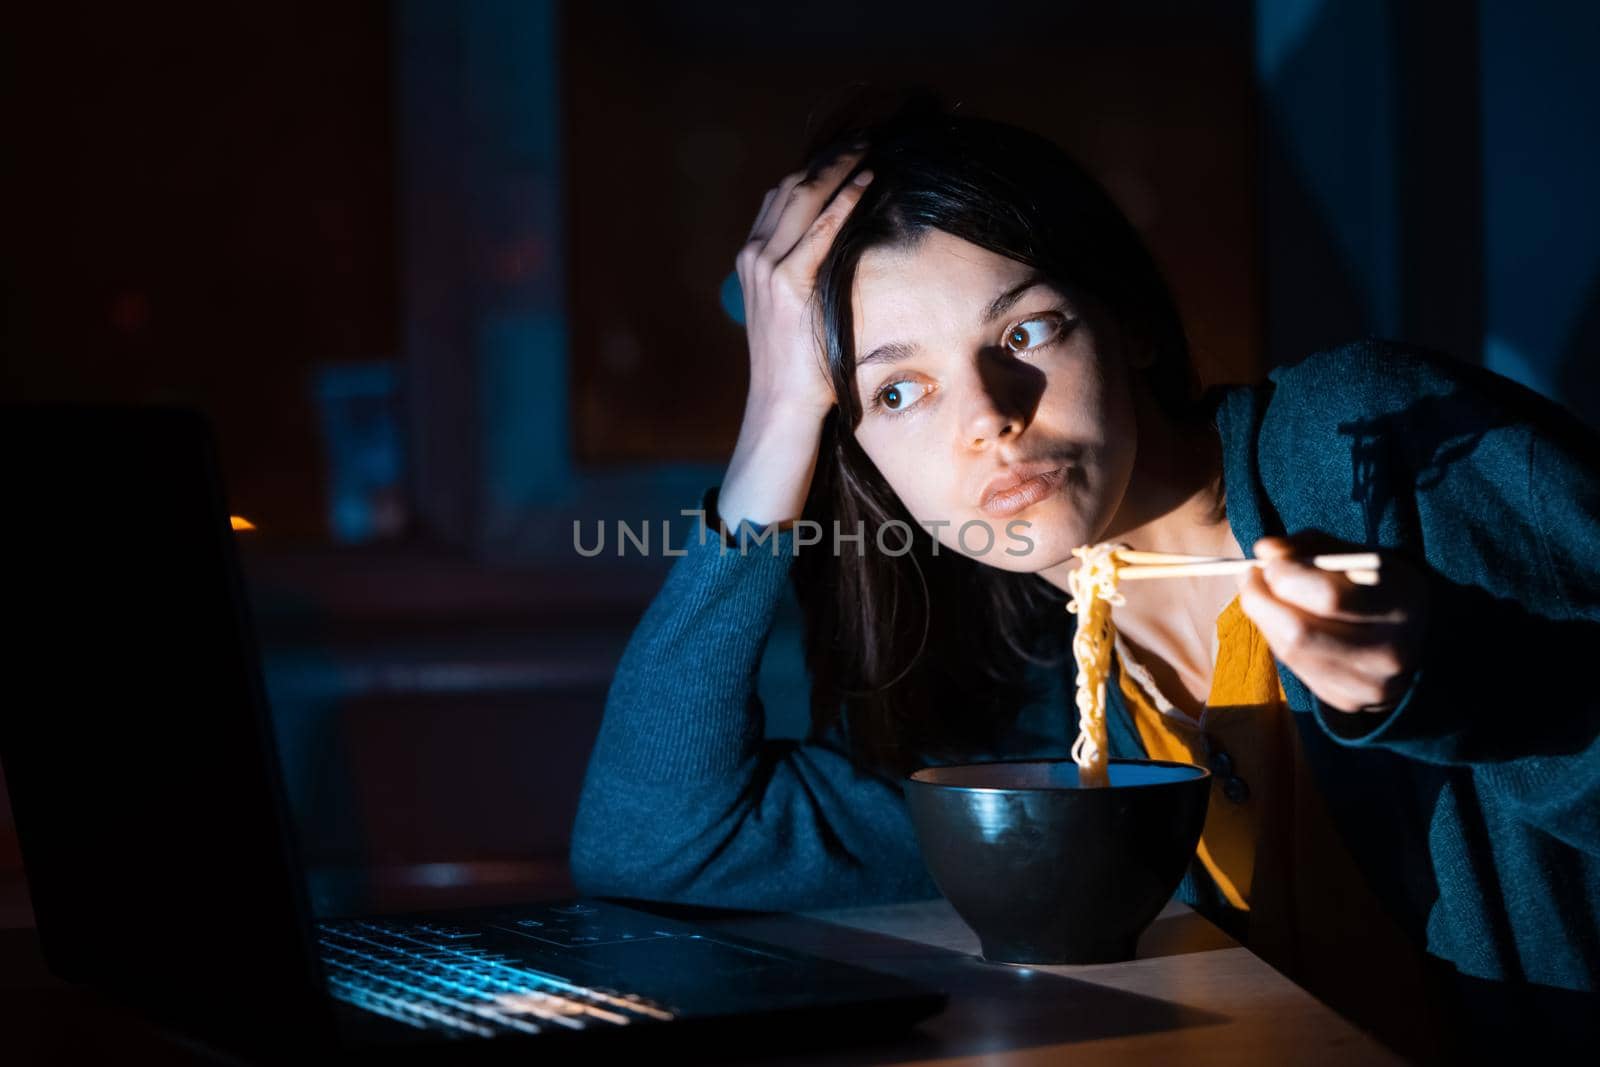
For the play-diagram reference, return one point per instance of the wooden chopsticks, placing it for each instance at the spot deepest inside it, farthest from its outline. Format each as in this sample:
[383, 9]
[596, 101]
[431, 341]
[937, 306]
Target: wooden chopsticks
[1360, 567]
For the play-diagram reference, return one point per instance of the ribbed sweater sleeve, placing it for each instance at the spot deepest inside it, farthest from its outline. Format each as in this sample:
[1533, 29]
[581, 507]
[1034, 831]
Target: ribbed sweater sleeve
[1495, 686]
[1501, 488]
[684, 799]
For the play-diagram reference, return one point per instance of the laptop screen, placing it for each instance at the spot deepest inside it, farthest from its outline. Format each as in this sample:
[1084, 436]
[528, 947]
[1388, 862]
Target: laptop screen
[135, 739]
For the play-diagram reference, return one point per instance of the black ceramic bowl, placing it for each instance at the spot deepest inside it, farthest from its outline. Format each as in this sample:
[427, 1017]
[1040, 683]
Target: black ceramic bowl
[1046, 871]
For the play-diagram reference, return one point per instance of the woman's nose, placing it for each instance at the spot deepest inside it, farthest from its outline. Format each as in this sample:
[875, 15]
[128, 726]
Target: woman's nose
[1001, 398]
[987, 423]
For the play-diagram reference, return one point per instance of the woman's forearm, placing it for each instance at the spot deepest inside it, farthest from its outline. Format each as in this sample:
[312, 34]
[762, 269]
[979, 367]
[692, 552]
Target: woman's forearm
[679, 705]
[686, 799]
[772, 466]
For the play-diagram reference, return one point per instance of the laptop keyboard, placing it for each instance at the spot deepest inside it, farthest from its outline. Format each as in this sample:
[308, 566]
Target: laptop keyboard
[433, 977]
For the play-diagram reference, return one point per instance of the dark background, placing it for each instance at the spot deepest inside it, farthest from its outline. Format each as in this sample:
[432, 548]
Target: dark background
[448, 277]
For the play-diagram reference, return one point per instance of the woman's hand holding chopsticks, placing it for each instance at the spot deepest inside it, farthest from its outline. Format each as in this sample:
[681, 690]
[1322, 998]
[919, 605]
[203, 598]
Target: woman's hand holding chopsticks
[1356, 646]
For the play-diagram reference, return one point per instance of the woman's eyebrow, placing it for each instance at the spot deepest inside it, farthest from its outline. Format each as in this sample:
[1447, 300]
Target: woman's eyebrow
[1003, 303]
[895, 351]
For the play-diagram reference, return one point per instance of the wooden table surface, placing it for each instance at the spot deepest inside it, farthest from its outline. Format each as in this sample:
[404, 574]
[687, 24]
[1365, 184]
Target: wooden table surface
[1193, 996]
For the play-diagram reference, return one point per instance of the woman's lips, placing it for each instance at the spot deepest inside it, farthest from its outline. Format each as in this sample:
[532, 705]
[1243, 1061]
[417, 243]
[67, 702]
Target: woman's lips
[1024, 494]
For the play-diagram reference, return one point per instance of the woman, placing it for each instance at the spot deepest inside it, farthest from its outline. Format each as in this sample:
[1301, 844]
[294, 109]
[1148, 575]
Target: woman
[953, 330]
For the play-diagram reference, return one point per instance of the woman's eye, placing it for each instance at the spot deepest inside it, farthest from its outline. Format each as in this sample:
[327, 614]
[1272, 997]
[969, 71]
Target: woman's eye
[1033, 333]
[898, 396]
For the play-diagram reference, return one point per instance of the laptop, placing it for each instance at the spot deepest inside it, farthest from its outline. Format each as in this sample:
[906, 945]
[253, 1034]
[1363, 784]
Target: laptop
[144, 780]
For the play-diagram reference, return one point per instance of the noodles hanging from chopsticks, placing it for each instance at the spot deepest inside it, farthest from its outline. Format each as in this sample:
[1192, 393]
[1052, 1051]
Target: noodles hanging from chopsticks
[1094, 590]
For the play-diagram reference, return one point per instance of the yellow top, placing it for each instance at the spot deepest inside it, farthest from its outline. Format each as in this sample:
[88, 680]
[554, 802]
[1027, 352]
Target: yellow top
[1276, 854]
[1244, 717]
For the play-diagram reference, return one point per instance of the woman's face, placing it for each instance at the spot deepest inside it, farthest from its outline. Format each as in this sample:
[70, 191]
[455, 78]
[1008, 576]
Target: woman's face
[974, 376]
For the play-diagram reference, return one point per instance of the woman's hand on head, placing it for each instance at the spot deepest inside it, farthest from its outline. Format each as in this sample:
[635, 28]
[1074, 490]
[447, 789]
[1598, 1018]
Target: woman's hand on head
[773, 462]
[777, 269]
[1356, 647]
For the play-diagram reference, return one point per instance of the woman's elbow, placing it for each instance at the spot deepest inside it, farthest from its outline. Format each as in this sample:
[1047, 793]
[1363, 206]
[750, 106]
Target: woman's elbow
[592, 859]
[607, 859]
[593, 873]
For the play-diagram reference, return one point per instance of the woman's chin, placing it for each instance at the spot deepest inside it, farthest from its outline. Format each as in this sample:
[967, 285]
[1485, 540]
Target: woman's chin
[1030, 541]
[1019, 549]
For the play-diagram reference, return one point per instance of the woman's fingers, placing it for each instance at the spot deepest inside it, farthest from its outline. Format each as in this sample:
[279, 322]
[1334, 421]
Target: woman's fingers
[772, 207]
[756, 244]
[815, 242]
[804, 201]
[1356, 695]
[1350, 665]
[1292, 577]
[1362, 647]
[1331, 594]
[1356, 647]
[788, 368]
[758, 228]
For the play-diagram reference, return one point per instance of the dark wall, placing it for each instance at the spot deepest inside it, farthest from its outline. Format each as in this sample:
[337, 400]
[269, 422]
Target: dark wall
[680, 115]
[200, 211]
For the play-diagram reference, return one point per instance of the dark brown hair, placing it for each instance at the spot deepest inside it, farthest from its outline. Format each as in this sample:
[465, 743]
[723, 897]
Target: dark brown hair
[922, 656]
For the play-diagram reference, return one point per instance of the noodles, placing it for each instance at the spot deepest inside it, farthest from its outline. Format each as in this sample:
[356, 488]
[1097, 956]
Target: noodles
[1094, 590]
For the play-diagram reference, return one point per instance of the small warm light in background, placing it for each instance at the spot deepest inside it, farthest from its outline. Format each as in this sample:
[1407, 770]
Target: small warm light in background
[239, 522]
